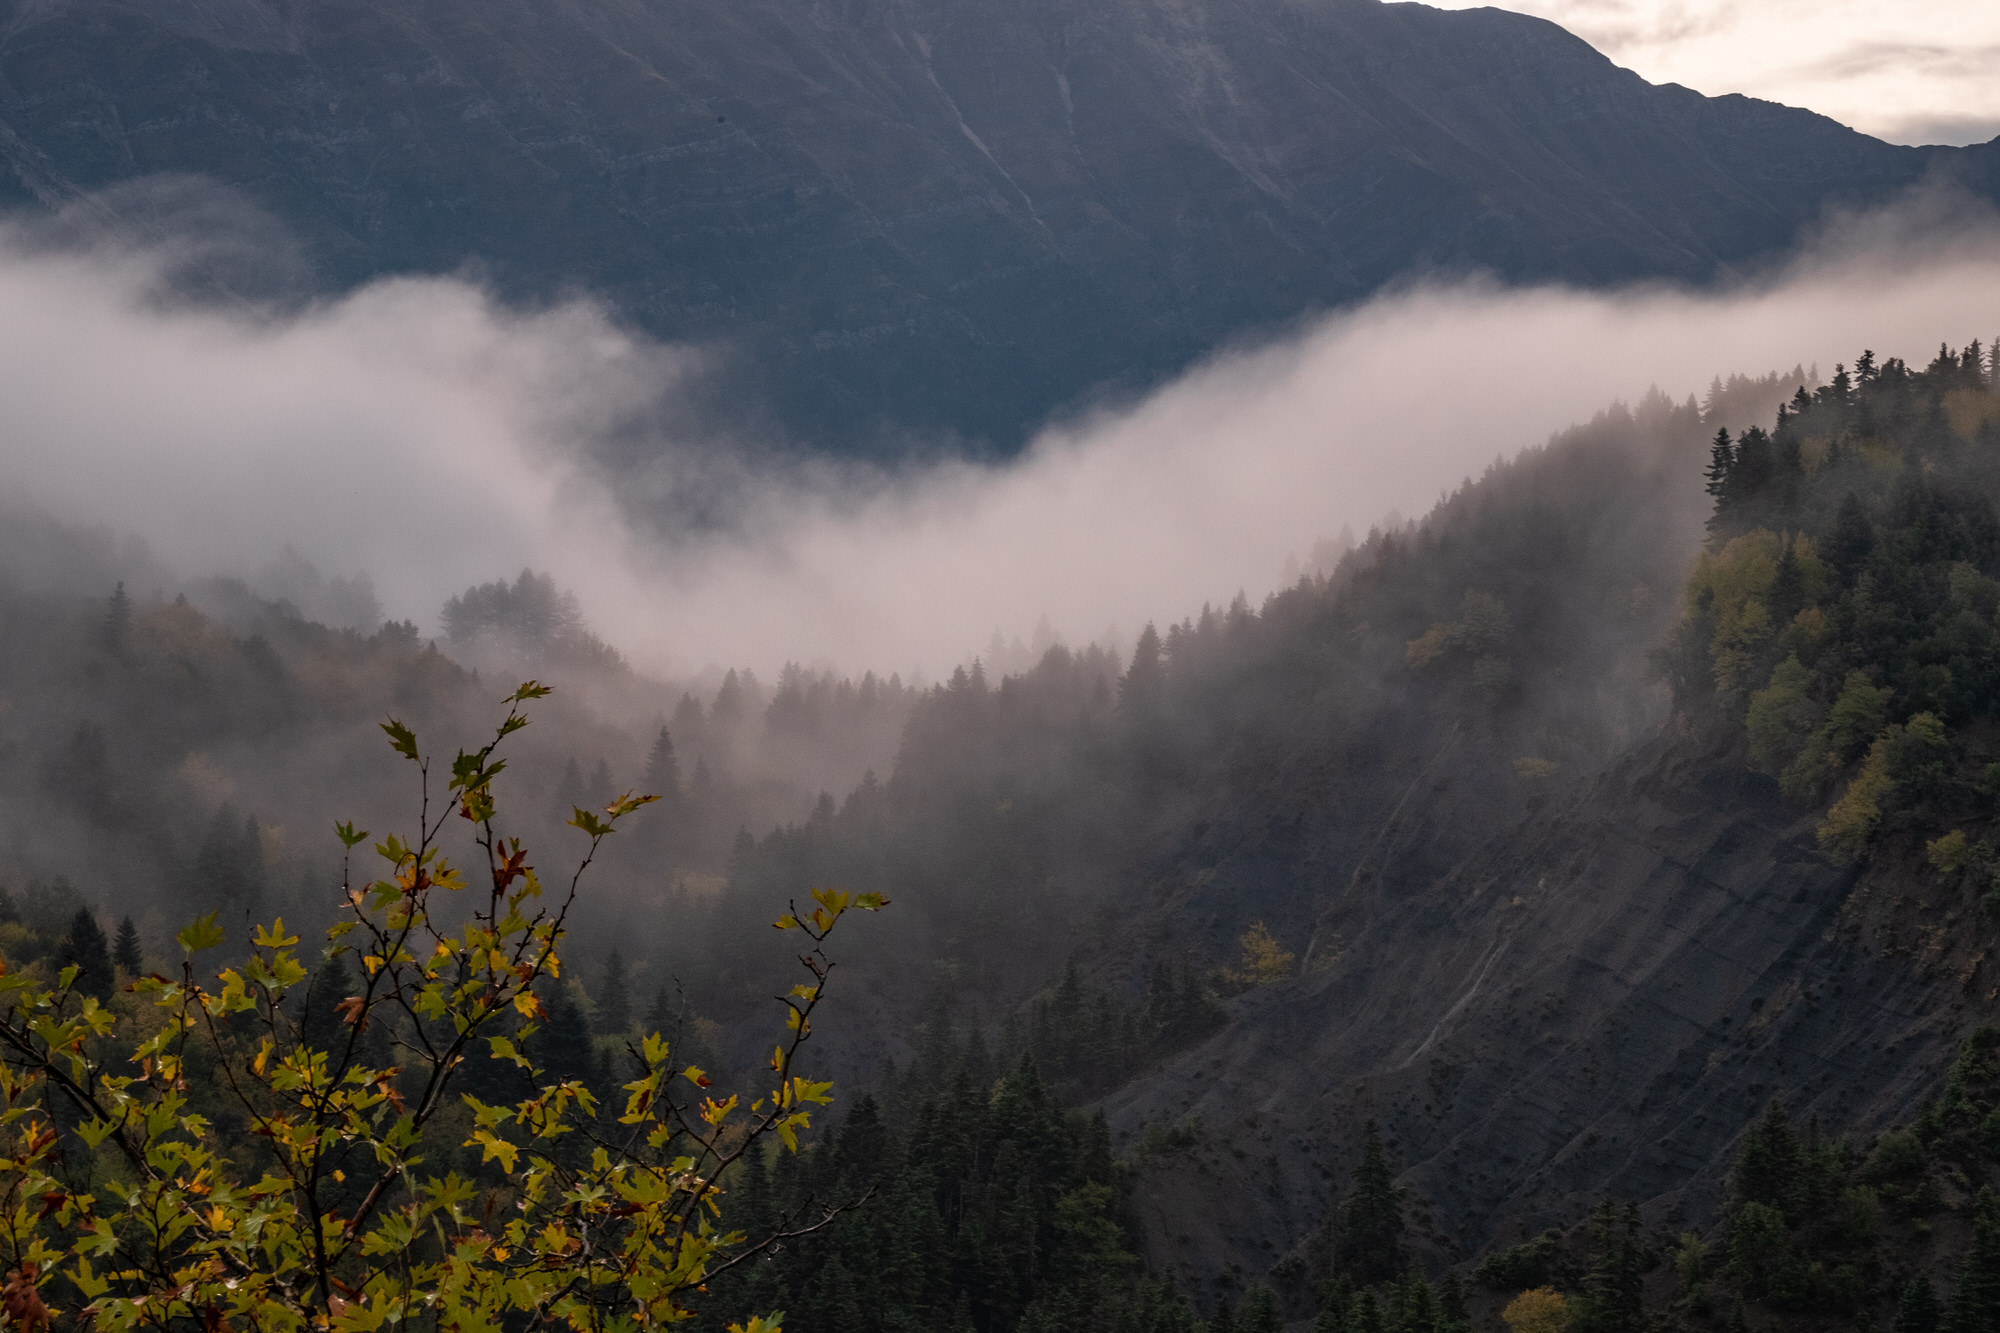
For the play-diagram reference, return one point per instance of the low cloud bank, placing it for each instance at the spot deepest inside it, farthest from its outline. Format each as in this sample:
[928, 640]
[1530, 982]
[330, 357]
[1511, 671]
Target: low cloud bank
[419, 432]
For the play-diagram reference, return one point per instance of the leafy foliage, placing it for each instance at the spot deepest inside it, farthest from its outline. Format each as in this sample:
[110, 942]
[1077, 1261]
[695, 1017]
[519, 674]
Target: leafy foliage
[262, 1167]
[1843, 617]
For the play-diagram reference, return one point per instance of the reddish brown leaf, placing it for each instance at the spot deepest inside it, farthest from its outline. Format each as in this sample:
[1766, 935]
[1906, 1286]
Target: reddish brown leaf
[22, 1300]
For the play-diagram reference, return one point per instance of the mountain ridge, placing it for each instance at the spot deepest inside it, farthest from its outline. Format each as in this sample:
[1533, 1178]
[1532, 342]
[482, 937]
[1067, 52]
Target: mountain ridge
[925, 219]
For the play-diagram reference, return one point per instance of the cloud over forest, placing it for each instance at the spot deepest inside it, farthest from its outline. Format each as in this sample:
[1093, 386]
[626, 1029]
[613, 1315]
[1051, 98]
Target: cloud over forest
[420, 432]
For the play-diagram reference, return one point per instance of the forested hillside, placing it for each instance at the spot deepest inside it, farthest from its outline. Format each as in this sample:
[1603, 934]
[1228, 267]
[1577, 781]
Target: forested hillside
[1587, 887]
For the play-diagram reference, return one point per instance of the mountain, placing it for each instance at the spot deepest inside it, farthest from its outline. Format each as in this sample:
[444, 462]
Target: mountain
[903, 218]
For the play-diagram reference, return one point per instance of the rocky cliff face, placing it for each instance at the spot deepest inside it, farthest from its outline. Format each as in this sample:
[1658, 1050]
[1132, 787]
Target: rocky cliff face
[926, 215]
[1593, 1002]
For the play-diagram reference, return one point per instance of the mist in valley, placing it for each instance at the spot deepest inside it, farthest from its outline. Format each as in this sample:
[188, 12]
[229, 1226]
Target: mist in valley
[1091, 716]
[423, 436]
[394, 501]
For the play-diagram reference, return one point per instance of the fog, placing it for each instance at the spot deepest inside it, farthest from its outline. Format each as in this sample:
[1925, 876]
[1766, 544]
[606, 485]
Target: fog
[422, 434]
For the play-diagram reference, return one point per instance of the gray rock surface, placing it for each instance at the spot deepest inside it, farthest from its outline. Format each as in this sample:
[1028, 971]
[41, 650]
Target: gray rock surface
[1595, 1001]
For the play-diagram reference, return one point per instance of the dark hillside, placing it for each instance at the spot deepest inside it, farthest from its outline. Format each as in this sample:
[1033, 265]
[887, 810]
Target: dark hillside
[919, 216]
[1783, 895]
[1454, 862]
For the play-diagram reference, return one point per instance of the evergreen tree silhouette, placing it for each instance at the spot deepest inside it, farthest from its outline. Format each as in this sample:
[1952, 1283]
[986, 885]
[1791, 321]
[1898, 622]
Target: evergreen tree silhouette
[1975, 1300]
[125, 950]
[614, 1000]
[1262, 1315]
[1370, 1241]
[89, 951]
[228, 871]
[1145, 681]
[663, 770]
[118, 622]
[320, 1026]
[570, 791]
[1917, 1311]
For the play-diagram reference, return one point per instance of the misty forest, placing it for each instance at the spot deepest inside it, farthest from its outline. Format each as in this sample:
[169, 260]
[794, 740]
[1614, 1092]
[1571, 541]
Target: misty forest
[505, 828]
[1549, 908]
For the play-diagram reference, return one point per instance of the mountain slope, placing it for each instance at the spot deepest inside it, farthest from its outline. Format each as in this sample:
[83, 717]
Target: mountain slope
[928, 214]
[1546, 1001]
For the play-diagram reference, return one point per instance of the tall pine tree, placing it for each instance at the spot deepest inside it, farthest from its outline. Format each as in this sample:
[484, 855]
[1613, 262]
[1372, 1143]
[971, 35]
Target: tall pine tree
[89, 951]
[125, 950]
[614, 998]
[1369, 1243]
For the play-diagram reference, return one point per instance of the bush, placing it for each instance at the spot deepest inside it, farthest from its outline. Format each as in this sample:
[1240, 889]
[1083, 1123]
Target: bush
[260, 1169]
[1542, 1310]
[1537, 1263]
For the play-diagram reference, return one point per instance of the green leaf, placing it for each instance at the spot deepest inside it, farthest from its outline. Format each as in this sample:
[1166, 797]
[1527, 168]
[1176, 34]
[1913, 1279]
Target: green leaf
[401, 738]
[588, 822]
[203, 934]
[347, 833]
[94, 1132]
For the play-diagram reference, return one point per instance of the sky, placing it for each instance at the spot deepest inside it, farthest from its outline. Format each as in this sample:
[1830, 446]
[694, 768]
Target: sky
[1910, 71]
[420, 432]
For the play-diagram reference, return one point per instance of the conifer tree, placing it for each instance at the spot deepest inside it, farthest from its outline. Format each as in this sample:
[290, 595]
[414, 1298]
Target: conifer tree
[1721, 458]
[570, 791]
[1768, 1167]
[660, 1014]
[1917, 1311]
[601, 791]
[614, 999]
[1853, 537]
[1975, 1300]
[228, 870]
[90, 952]
[1370, 1242]
[1452, 1316]
[330, 984]
[1613, 1296]
[1413, 1305]
[1788, 588]
[663, 769]
[1262, 1315]
[118, 621]
[125, 950]
[563, 1045]
[1145, 681]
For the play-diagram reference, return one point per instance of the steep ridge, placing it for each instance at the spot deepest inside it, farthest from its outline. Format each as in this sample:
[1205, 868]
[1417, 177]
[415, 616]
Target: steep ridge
[925, 215]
